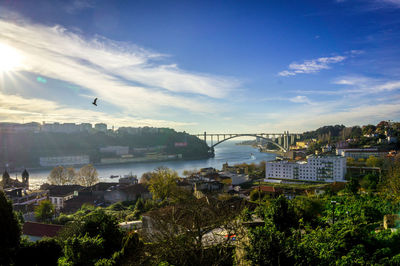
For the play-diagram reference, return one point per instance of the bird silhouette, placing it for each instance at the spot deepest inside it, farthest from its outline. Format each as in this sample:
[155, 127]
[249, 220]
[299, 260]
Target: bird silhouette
[95, 102]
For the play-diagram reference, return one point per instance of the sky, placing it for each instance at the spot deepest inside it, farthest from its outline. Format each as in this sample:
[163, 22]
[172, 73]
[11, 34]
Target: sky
[215, 66]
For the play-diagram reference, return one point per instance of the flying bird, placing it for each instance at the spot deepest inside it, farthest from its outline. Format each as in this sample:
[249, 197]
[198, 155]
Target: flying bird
[95, 102]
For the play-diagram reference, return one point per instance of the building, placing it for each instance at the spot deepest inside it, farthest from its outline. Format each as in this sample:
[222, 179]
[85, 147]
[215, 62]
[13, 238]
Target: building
[100, 127]
[126, 193]
[117, 150]
[25, 200]
[317, 168]
[360, 153]
[59, 194]
[12, 128]
[64, 160]
[85, 127]
[36, 231]
[60, 128]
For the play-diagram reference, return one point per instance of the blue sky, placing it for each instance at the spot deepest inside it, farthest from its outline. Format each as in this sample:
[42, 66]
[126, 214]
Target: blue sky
[215, 66]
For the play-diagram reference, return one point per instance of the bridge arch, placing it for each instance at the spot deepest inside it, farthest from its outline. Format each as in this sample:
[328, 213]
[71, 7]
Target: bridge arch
[249, 135]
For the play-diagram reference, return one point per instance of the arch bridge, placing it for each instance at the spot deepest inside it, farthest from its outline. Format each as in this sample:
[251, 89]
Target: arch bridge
[280, 140]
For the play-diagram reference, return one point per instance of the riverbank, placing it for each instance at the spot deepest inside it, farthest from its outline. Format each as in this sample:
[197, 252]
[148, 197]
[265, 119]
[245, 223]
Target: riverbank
[226, 152]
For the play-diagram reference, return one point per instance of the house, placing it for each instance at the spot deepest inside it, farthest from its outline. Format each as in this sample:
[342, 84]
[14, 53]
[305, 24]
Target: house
[236, 178]
[208, 186]
[25, 200]
[36, 231]
[59, 194]
[126, 193]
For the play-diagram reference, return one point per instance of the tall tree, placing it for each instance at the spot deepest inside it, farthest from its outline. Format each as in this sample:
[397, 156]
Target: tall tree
[45, 211]
[71, 175]
[10, 231]
[58, 176]
[87, 176]
[162, 183]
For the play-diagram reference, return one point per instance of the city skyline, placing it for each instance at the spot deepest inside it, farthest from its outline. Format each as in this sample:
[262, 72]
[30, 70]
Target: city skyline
[201, 66]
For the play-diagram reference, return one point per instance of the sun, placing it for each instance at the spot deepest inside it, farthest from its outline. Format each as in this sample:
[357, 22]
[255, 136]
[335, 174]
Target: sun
[10, 58]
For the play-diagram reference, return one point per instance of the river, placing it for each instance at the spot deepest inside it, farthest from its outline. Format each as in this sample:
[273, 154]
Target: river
[227, 151]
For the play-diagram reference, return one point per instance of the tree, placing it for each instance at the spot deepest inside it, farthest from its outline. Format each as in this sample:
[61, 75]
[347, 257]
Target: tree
[10, 231]
[106, 226]
[373, 161]
[163, 183]
[83, 250]
[71, 175]
[267, 246]
[58, 176]
[353, 186]
[350, 161]
[194, 231]
[44, 252]
[45, 211]
[145, 177]
[87, 176]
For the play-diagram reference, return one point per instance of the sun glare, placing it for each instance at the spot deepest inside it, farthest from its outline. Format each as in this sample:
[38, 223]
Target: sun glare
[10, 59]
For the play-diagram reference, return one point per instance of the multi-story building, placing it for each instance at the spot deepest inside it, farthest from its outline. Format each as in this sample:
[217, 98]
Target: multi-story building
[59, 194]
[85, 127]
[317, 168]
[60, 128]
[100, 127]
[64, 160]
[360, 153]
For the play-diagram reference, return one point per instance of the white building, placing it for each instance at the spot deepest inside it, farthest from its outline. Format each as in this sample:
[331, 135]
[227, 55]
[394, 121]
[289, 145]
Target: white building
[100, 127]
[317, 168]
[360, 153]
[117, 150]
[59, 194]
[64, 160]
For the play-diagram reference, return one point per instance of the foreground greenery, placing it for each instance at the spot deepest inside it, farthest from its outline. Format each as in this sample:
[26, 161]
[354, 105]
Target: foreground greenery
[335, 228]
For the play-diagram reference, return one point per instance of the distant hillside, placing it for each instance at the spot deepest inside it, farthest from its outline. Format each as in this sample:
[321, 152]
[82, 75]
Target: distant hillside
[337, 132]
[24, 149]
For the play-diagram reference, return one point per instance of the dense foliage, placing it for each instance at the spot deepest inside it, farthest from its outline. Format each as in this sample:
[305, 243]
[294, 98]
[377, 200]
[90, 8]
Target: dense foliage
[10, 231]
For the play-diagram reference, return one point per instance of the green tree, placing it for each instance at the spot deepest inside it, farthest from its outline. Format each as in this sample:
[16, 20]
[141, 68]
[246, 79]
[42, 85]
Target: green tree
[87, 176]
[267, 246]
[282, 214]
[373, 161]
[10, 231]
[353, 185]
[106, 226]
[350, 161]
[83, 250]
[43, 252]
[45, 211]
[163, 184]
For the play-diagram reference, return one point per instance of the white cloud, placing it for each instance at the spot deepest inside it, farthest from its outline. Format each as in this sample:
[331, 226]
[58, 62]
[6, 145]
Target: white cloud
[14, 108]
[311, 66]
[126, 76]
[78, 5]
[300, 99]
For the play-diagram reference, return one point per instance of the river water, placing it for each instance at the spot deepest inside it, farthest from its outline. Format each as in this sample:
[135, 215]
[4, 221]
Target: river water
[227, 151]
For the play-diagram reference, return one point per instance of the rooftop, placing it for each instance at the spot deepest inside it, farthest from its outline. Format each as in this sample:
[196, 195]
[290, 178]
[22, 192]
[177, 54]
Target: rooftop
[41, 230]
